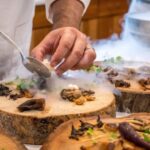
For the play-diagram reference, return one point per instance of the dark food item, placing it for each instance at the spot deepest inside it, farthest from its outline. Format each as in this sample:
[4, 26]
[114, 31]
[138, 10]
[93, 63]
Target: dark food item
[130, 134]
[33, 104]
[111, 126]
[75, 133]
[15, 96]
[4, 90]
[26, 93]
[99, 122]
[85, 126]
[70, 94]
[112, 73]
[23, 93]
[121, 83]
[78, 96]
[144, 83]
[107, 69]
[87, 92]
[83, 148]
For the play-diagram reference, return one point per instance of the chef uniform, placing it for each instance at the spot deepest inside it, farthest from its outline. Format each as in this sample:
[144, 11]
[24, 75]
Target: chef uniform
[16, 20]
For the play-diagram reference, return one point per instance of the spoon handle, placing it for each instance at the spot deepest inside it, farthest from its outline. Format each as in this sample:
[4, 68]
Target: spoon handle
[6, 37]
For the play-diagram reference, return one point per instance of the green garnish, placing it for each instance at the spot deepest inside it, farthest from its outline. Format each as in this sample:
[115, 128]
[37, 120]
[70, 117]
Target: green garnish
[94, 68]
[147, 131]
[146, 138]
[90, 131]
[113, 135]
[114, 60]
[23, 84]
[119, 58]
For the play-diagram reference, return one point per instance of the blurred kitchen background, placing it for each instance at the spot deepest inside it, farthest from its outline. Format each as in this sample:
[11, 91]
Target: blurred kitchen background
[102, 19]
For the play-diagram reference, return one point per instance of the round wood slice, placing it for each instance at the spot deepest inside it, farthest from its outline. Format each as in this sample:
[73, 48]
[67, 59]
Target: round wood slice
[33, 127]
[59, 139]
[133, 99]
[7, 143]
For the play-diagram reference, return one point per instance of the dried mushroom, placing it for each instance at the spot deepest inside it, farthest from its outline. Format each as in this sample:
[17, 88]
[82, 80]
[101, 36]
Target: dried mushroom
[99, 122]
[77, 95]
[145, 83]
[85, 128]
[70, 94]
[15, 96]
[4, 90]
[26, 93]
[87, 92]
[75, 133]
[33, 104]
[121, 83]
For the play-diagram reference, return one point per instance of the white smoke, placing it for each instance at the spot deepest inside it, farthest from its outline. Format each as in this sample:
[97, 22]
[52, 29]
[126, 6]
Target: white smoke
[128, 46]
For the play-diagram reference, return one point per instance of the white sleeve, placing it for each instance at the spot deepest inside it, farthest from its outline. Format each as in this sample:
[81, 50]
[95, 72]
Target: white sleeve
[49, 13]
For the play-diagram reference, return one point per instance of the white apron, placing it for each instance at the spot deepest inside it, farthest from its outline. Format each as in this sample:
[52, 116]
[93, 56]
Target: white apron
[15, 20]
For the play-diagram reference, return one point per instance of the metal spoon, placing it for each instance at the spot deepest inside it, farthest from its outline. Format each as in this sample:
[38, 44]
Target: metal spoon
[32, 64]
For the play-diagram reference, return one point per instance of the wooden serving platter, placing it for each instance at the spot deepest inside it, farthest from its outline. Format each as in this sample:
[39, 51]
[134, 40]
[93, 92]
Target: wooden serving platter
[106, 137]
[33, 127]
[135, 97]
[7, 142]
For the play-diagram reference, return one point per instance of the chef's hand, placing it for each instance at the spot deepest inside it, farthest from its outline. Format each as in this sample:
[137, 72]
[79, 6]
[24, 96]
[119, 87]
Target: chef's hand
[66, 44]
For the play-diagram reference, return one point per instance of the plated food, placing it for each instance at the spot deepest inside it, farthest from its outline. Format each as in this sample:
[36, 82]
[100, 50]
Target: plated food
[31, 115]
[96, 133]
[131, 82]
[77, 95]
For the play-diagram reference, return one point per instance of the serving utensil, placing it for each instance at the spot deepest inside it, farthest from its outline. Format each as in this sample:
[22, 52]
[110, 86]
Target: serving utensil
[32, 64]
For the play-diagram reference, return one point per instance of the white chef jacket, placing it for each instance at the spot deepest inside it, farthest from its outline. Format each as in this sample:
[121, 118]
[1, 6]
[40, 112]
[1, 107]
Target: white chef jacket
[16, 20]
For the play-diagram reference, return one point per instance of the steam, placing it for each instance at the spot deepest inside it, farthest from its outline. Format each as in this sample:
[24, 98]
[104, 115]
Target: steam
[80, 78]
[126, 46]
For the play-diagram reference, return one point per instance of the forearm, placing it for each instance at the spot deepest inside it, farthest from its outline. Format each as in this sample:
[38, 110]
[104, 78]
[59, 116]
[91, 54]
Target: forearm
[68, 13]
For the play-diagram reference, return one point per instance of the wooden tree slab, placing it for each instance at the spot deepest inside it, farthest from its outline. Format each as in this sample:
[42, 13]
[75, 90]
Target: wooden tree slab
[133, 99]
[98, 139]
[33, 127]
[8, 142]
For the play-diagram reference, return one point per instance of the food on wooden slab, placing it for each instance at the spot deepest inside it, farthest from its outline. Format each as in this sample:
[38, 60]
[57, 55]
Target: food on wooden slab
[131, 82]
[31, 120]
[96, 133]
[77, 95]
[33, 104]
[10, 143]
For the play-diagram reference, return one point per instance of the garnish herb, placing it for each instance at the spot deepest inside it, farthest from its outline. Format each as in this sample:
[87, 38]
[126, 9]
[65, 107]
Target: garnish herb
[147, 131]
[114, 60]
[113, 135]
[146, 138]
[95, 68]
[24, 85]
[90, 132]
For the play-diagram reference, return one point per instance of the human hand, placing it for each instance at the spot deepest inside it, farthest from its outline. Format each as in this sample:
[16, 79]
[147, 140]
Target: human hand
[67, 45]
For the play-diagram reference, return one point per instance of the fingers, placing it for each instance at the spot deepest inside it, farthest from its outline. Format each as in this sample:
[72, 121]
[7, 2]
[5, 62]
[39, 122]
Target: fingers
[64, 47]
[47, 45]
[75, 56]
[87, 59]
